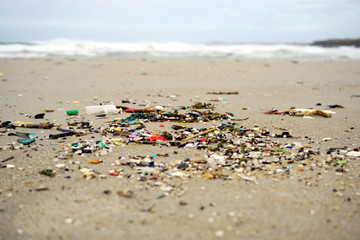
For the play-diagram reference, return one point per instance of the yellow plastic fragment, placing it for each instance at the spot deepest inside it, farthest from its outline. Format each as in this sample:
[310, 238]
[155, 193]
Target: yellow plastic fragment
[94, 161]
[23, 123]
[208, 176]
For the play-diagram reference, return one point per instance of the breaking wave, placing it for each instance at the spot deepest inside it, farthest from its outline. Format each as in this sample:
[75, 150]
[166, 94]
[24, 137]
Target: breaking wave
[69, 48]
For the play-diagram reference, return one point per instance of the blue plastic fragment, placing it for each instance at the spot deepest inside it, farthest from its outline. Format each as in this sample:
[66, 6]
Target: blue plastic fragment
[153, 155]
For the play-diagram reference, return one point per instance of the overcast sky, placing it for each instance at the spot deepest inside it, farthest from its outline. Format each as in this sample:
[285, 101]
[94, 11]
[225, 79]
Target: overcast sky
[194, 21]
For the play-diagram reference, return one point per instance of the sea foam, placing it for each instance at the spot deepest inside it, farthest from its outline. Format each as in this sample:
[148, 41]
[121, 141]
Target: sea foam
[76, 48]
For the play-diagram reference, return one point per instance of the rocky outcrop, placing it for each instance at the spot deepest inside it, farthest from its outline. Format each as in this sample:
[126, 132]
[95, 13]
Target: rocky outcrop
[338, 42]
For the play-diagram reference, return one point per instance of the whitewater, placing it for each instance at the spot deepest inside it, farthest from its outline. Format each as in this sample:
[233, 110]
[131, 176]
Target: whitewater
[242, 51]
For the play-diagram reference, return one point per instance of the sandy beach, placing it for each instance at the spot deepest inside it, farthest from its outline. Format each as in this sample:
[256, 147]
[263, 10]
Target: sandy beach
[308, 199]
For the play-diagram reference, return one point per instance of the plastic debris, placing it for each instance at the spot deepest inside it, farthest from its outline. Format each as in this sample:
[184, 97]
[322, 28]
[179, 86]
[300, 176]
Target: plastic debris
[72, 112]
[106, 109]
[39, 116]
[94, 161]
[218, 147]
[224, 93]
[335, 106]
[87, 173]
[299, 112]
[353, 154]
[47, 172]
[26, 141]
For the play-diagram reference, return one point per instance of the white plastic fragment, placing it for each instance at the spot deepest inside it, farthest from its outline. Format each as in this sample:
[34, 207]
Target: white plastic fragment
[353, 154]
[101, 109]
[159, 108]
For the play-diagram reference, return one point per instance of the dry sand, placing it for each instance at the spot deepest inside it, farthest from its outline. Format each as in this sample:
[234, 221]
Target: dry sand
[311, 204]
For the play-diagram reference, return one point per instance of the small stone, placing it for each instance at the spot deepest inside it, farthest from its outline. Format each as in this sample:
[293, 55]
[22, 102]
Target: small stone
[219, 233]
[208, 176]
[42, 188]
[125, 193]
[60, 165]
[69, 220]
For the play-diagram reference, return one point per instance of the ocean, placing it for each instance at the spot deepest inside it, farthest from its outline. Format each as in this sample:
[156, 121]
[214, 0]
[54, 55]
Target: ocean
[241, 51]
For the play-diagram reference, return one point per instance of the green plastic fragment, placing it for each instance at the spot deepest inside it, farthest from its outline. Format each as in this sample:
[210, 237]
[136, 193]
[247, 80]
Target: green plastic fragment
[72, 112]
[26, 141]
[48, 173]
[352, 127]
[101, 144]
[279, 150]
[341, 162]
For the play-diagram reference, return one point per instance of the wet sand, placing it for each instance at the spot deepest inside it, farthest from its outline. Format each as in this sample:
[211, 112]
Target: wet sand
[316, 203]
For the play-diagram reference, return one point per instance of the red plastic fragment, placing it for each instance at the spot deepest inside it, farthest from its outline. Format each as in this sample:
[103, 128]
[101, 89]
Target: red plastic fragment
[130, 110]
[154, 138]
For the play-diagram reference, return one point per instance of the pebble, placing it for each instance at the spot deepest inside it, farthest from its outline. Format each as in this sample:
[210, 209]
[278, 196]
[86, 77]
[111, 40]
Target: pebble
[68, 220]
[219, 233]
[60, 165]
